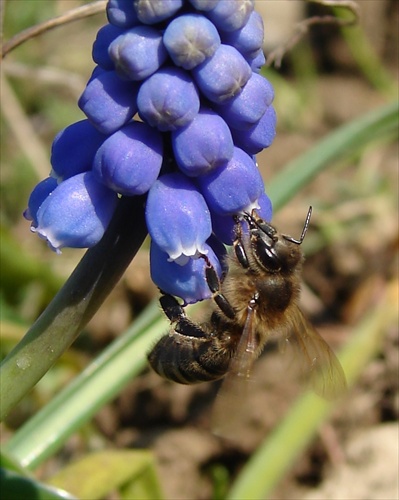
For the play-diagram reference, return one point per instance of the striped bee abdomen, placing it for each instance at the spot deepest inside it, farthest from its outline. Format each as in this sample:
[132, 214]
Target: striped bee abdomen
[189, 360]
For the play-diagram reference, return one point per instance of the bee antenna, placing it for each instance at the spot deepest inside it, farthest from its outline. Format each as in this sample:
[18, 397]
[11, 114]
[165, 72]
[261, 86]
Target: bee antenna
[304, 230]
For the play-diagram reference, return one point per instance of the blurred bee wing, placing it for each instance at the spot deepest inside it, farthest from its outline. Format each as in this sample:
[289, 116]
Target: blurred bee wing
[327, 377]
[229, 409]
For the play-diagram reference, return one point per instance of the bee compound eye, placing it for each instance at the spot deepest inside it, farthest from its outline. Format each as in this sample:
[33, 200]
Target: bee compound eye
[266, 255]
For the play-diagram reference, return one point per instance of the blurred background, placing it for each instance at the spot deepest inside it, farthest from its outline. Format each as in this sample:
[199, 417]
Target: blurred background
[328, 78]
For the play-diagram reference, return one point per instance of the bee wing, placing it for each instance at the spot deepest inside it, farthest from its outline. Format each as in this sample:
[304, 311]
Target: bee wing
[327, 377]
[229, 410]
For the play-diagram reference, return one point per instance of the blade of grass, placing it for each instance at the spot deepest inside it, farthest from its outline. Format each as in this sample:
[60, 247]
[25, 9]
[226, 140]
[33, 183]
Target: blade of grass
[345, 140]
[367, 58]
[276, 455]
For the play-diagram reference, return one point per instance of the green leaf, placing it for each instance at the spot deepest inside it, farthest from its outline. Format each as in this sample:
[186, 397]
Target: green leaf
[98, 474]
[346, 140]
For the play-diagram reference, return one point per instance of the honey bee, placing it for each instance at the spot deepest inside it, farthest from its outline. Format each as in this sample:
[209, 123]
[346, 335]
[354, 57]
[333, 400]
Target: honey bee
[257, 297]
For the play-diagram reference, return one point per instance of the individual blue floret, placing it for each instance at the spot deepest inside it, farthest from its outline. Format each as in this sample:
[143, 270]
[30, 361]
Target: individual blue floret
[168, 99]
[186, 281]
[190, 39]
[121, 13]
[257, 61]
[76, 213]
[40, 192]
[73, 149]
[203, 145]
[105, 36]
[234, 188]
[108, 102]
[224, 226]
[223, 75]
[154, 11]
[138, 52]
[129, 161]
[228, 15]
[204, 5]
[248, 40]
[265, 210]
[259, 136]
[247, 108]
[177, 216]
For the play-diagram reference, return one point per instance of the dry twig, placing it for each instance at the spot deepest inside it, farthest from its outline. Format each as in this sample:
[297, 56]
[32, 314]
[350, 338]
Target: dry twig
[72, 15]
[302, 28]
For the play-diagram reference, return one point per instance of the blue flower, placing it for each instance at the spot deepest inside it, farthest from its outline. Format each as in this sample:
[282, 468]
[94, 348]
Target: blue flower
[187, 280]
[190, 39]
[178, 218]
[122, 13]
[138, 52]
[244, 110]
[223, 75]
[154, 11]
[105, 36]
[109, 102]
[203, 145]
[168, 99]
[220, 187]
[248, 39]
[190, 70]
[74, 148]
[204, 5]
[119, 161]
[36, 198]
[259, 136]
[231, 16]
[76, 213]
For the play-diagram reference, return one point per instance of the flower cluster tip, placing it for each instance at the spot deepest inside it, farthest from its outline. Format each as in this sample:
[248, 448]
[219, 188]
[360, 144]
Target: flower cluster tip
[175, 109]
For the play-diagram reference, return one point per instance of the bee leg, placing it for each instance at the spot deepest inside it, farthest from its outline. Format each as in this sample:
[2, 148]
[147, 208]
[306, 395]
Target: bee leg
[189, 353]
[213, 282]
[239, 247]
[175, 313]
[170, 306]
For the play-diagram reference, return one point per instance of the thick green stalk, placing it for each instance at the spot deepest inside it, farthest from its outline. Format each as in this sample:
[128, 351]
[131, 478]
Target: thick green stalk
[74, 305]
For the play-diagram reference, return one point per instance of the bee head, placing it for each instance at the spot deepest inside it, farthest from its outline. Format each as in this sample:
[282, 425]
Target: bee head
[273, 251]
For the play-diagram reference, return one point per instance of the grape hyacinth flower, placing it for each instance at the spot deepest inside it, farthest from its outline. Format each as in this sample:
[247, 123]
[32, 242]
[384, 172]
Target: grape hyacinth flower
[174, 111]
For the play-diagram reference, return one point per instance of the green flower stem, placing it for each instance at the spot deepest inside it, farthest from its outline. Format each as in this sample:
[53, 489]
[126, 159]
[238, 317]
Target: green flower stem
[345, 140]
[277, 454]
[74, 305]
